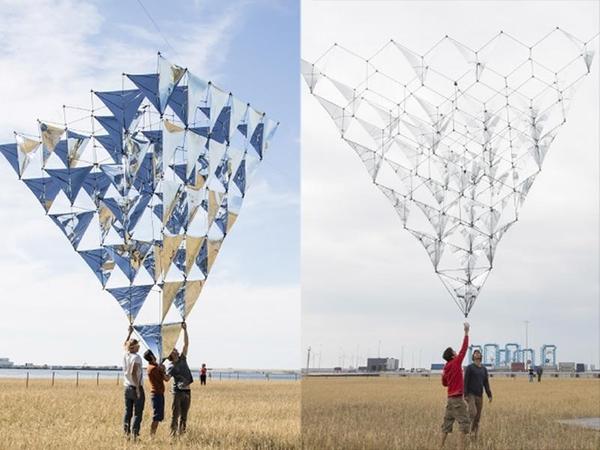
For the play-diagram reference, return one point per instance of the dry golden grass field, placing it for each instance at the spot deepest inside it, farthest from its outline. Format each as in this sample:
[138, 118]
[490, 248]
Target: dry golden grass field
[406, 413]
[223, 415]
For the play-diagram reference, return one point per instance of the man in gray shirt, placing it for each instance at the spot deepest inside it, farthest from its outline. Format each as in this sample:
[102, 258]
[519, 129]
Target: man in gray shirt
[476, 380]
[182, 378]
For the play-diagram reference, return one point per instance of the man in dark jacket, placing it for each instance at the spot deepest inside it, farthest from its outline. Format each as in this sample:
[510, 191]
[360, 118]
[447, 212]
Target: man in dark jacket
[182, 378]
[476, 380]
[452, 378]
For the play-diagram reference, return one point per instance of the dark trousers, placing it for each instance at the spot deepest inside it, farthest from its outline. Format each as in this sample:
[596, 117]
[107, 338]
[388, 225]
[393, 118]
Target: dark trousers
[181, 406]
[474, 406]
[134, 407]
[202, 380]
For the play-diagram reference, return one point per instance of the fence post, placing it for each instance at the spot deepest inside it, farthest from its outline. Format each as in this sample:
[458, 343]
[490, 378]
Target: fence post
[118, 378]
[97, 378]
[77, 380]
[52, 378]
[238, 375]
[27, 380]
[219, 376]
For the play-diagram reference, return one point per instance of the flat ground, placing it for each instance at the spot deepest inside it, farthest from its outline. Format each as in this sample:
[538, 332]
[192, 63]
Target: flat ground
[406, 413]
[223, 415]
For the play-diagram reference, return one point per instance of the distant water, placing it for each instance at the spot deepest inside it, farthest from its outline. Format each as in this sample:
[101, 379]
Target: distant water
[214, 375]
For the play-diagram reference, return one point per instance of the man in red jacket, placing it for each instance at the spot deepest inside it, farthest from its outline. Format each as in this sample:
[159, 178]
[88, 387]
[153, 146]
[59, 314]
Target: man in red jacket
[452, 378]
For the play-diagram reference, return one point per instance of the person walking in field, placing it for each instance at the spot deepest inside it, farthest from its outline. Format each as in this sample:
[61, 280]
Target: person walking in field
[134, 387]
[203, 375]
[539, 371]
[530, 373]
[157, 377]
[476, 380]
[452, 379]
[182, 378]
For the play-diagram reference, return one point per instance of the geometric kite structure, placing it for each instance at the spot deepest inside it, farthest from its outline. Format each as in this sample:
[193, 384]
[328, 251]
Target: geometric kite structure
[454, 137]
[147, 194]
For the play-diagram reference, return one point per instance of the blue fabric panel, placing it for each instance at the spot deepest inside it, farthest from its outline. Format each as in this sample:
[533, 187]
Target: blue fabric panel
[137, 211]
[201, 131]
[152, 338]
[202, 258]
[180, 170]
[113, 150]
[179, 300]
[122, 104]
[62, 151]
[179, 259]
[221, 221]
[179, 215]
[257, 139]
[240, 177]
[10, 153]
[114, 207]
[73, 225]
[96, 184]
[131, 298]
[96, 259]
[150, 264]
[154, 136]
[44, 189]
[115, 174]
[70, 180]
[243, 128]
[148, 84]
[144, 179]
[220, 131]
[179, 102]
[114, 130]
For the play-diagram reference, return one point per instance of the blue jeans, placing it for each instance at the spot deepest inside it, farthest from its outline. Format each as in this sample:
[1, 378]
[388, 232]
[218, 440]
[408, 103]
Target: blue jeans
[134, 407]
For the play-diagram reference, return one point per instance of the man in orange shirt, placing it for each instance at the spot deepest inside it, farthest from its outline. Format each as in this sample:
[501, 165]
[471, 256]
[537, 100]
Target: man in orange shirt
[452, 378]
[157, 378]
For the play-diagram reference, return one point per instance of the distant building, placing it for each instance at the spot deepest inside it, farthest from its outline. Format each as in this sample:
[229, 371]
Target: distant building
[382, 364]
[566, 367]
[5, 363]
[437, 366]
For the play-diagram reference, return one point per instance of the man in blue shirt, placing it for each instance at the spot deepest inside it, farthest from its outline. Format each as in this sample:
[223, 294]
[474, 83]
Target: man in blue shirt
[476, 380]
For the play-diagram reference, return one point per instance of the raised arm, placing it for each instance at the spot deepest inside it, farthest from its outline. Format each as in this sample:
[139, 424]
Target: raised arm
[186, 340]
[486, 385]
[166, 376]
[465, 343]
[129, 333]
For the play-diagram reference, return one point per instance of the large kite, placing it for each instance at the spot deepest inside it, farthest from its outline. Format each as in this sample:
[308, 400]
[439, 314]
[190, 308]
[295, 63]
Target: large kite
[149, 193]
[454, 137]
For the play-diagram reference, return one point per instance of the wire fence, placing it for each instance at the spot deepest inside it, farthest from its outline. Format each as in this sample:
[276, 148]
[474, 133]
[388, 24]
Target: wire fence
[116, 377]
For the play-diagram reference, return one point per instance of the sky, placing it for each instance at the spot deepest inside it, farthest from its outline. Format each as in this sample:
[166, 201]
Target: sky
[54, 52]
[368, 286]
